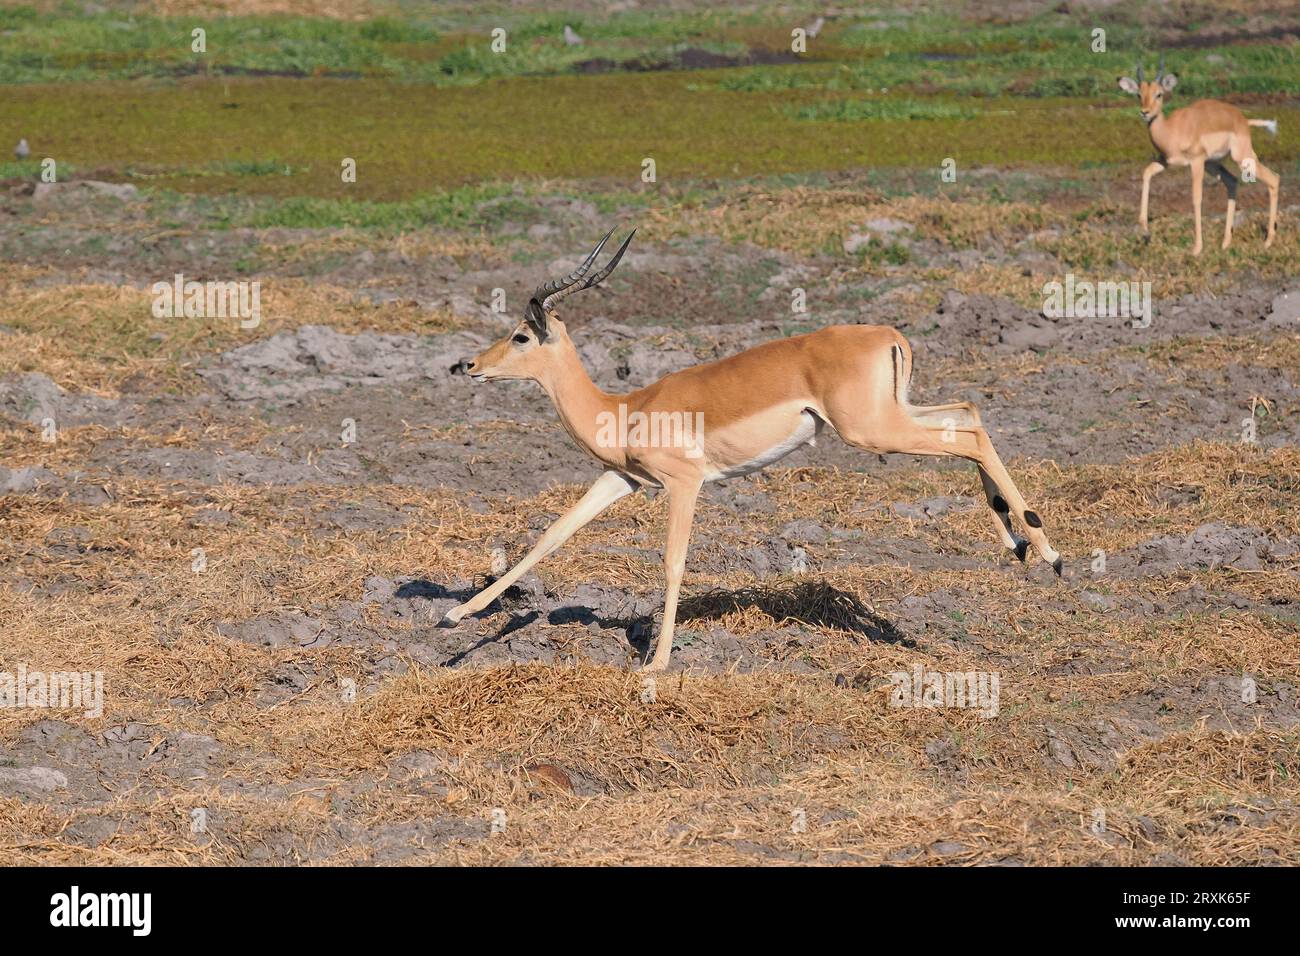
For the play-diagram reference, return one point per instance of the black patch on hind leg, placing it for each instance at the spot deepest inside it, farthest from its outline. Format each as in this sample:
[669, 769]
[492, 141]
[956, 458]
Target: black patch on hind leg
[1032, 519]
[1000, 505]
[1022, 548]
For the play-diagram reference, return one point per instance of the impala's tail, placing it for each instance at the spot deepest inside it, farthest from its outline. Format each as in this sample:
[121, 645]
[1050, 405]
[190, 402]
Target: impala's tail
[1270, 125]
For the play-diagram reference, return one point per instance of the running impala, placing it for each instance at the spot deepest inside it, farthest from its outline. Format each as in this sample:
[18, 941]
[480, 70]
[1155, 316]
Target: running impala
[755, 408]
[1200, 136]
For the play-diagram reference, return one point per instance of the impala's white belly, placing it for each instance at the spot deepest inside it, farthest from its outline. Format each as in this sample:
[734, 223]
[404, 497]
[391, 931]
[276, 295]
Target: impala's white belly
[805, 433]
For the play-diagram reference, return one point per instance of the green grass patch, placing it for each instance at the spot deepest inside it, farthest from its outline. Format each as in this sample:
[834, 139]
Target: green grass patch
[423, 104]
[1049, 55]
[883, 109]
[453, 209]
[443, 48]
[409, 141]
[883, 253]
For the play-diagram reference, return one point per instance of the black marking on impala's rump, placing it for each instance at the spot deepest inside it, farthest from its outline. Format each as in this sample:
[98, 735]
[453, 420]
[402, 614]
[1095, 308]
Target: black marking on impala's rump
[1032, 519]
[1000, 505]
[897, 355]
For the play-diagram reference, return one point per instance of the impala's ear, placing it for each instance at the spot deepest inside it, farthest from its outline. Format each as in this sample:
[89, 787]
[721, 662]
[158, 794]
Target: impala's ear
[1168, 81]
[535, 316]
[1128, 85]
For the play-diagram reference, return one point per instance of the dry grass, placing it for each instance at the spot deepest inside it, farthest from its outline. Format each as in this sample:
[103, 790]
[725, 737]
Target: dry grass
[809, 221]
[95, 338]
[279, 252]
[1096, 239]
[712, 767]
[1281, 352]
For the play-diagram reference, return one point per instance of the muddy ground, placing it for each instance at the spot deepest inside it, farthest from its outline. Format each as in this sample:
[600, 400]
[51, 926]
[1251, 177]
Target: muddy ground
[329, 563]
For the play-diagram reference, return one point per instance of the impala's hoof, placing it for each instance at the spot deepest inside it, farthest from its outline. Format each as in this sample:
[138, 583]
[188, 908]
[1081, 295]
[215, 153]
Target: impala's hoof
[448, 621]
[1022, 548]
[1057, 565]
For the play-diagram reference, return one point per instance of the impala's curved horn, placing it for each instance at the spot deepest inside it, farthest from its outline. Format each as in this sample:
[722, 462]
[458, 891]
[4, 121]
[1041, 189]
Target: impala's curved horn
[557, 285]
[1161, 71]
[596, 279]
[1139, 71]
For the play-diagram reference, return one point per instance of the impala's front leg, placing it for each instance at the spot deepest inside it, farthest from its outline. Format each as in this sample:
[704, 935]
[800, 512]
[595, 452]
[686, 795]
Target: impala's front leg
[681, 512]
[1151, 170]
[608, 488]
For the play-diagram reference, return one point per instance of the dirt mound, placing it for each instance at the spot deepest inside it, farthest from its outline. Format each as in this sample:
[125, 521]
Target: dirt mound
[624, 357]
[961, 321]
[1213, 545]
[32, 397]
[313, 358]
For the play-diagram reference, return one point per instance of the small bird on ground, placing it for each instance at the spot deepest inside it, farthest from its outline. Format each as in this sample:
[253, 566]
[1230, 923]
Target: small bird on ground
[22, 151]
[571, 38]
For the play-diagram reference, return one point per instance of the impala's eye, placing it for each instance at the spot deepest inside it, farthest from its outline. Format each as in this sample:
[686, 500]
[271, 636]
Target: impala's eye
[522, 339]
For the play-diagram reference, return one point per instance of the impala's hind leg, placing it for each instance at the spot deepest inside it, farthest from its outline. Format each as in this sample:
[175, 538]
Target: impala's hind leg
[1002, 517]
[1244, 156]
[895, 431]
[1230, 184]
[977, 446]
[1272, 181]
[947, 418]
[872, 412]
[1198, 182]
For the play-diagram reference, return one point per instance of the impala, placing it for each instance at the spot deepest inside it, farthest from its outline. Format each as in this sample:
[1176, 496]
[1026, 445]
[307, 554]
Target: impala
[1200, 136]
[754, 408]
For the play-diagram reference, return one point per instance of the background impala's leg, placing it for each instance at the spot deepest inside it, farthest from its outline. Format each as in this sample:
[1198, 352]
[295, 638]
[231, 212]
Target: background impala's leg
[681, 512]
[1230, 184]
[1272, 181]
[1198, 184]
[1151, 170]
[608, 488]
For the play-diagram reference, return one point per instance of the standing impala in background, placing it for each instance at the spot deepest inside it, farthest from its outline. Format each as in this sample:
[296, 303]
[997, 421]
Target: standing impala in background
[755, 408]
[1200, 136]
